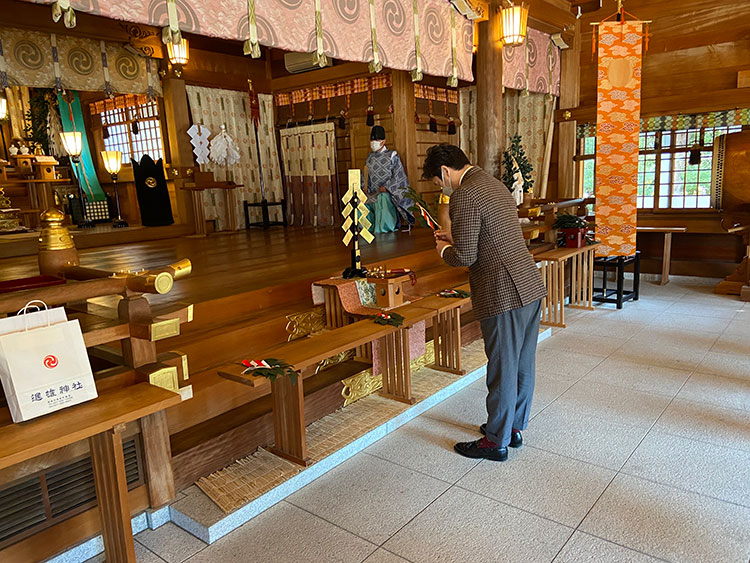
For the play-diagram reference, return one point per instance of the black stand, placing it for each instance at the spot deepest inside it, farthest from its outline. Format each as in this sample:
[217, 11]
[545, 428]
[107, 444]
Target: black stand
[266, 222]
[619, 295]
[118, 223]
[85, 222]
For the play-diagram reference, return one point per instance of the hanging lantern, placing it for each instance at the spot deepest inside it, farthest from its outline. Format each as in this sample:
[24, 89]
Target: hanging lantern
[513, 21]
[178, 54]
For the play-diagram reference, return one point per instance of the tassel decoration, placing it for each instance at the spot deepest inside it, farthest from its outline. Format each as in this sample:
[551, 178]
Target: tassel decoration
[342, 120]
[433, 124]
[370, 116]
[451, 127]
[134, 127]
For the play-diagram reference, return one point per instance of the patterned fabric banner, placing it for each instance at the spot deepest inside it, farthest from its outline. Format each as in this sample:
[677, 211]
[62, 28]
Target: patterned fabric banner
[673, 122]
[618, 119]
[309, 154]
[533, 66]
[436, 94]
[36, 59]
[345, 27]
[325, 91]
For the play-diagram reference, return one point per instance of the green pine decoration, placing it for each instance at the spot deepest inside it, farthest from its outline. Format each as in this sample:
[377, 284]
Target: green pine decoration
[392, 319]
[515, 151]
[275, 369]
[35, 128]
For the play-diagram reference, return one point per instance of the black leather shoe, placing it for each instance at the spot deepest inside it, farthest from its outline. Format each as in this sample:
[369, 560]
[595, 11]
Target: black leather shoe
[516, 439]
[472, 449]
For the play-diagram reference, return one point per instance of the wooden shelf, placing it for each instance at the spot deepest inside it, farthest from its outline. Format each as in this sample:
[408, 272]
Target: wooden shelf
[26, 440]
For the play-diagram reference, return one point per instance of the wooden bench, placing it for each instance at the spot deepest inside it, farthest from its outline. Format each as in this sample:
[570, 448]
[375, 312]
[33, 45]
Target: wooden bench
[667, 256]
[305, 353]
[101, 422]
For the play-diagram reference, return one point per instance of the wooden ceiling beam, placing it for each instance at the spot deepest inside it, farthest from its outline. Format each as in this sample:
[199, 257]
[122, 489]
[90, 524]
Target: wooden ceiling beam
[693, 103]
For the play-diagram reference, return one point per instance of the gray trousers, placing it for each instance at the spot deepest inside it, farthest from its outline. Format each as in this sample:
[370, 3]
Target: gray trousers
[510, 343]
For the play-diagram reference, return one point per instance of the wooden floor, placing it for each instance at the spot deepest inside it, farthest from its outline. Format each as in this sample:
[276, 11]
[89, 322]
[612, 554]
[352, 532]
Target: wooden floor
[228, 264]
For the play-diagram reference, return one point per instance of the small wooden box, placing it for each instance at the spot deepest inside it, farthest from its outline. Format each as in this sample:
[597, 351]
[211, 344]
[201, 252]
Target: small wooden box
[390, 291]
[23, 163]
[44, 168]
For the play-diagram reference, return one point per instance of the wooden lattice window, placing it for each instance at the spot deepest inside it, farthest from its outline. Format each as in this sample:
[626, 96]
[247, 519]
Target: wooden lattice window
[131, 125]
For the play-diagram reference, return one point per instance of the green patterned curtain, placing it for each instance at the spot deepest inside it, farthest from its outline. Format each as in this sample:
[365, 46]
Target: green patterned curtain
[72, 120]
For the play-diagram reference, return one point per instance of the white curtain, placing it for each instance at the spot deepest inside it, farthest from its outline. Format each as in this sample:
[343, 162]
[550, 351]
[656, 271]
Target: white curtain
[467, 108]
[528, 115]
[213, 107]
[309, 153]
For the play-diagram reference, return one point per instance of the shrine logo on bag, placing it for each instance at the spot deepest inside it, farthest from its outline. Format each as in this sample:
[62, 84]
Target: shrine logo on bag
[51, 362]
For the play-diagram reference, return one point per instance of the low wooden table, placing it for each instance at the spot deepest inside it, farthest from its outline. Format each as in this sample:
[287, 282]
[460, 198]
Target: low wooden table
[581, 281]
[667, 257]
[101, 421]
[302, 354]
[199, 213]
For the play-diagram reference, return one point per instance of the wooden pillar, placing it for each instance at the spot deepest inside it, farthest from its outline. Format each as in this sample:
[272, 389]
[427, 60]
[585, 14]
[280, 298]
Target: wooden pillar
[112, 495]
[158, 454]
[177, 118]
[134, 309]
[570, 88]
[289, 419]
[404, 126]
[490, 139]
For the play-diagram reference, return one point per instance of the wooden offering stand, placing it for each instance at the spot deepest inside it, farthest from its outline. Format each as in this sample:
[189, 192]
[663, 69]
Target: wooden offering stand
[135, 386]
[389, 286]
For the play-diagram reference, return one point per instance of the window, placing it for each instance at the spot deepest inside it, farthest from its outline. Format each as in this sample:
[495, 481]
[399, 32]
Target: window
[132, 127]
[666, 178]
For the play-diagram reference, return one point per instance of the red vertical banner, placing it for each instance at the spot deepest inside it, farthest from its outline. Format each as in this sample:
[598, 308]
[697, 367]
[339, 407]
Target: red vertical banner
[618, 126]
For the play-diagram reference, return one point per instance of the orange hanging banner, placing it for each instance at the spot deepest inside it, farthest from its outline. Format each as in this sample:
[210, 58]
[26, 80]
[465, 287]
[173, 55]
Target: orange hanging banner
[618, 126]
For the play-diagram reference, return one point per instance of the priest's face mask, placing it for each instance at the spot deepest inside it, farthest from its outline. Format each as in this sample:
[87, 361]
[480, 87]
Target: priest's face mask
[375, 146]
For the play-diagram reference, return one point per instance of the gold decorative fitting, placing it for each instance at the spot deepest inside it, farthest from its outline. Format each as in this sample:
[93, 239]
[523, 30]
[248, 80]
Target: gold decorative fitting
[54, 235]
[359, 386]
[306, 322]
[166, 328]
[567, 115]
[166, 378]
[163, 282]
[182, 269]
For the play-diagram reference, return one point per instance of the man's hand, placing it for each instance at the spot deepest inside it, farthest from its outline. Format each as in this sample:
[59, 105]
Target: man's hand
[444, 236]
[382, 189]
[440, 246]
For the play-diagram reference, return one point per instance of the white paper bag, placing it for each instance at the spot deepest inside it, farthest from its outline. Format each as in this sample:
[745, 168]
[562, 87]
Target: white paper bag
[43, 364]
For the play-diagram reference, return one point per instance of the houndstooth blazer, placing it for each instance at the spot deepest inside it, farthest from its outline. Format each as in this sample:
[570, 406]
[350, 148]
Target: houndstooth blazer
[487, 238]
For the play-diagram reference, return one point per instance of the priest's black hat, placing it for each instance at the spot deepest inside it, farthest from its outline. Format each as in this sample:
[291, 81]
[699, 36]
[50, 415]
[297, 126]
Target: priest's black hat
[377, 133]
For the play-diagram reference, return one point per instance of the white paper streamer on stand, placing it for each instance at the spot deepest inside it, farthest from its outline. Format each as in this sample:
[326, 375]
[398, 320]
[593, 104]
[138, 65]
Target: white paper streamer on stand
[199, 135]
[224, 149]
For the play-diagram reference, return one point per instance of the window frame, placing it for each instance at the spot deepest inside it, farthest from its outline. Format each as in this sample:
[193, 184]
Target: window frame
[98, 129]
[659, 151]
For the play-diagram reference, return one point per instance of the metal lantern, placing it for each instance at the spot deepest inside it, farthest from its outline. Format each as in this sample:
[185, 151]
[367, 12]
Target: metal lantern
[513, 21]
[72, 143]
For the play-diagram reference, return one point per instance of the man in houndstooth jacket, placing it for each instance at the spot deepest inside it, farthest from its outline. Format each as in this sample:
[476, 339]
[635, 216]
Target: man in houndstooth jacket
[506, 291]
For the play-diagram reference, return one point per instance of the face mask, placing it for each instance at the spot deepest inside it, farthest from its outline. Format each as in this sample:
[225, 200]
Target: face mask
[447, 188]
[375, 146]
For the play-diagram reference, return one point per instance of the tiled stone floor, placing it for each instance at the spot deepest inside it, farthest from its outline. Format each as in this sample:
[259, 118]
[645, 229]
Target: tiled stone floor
[638, 451]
